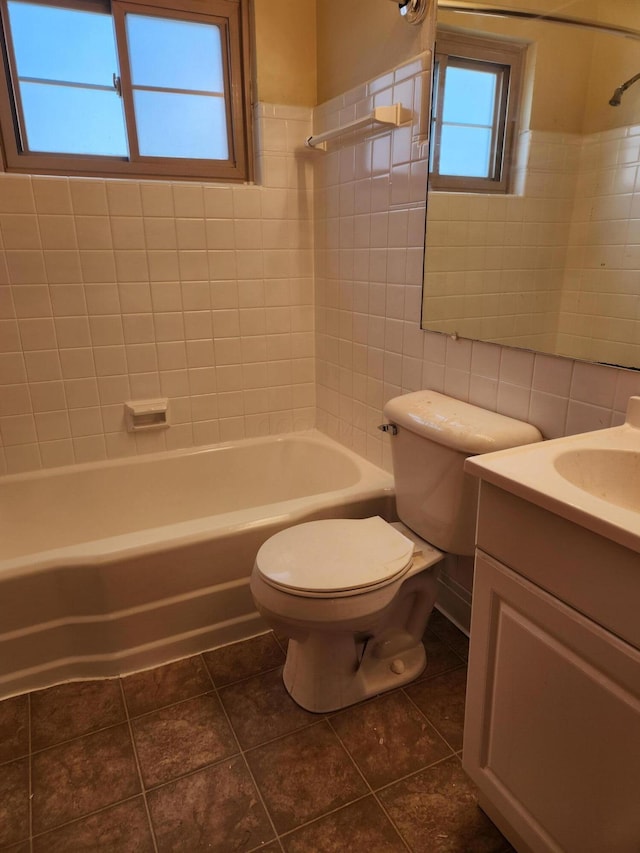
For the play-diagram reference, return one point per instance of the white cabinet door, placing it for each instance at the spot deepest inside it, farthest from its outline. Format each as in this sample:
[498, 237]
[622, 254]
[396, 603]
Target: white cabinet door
[552, 727]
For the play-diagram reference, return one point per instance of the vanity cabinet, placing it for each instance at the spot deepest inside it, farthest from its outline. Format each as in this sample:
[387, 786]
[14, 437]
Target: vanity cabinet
[552, 726]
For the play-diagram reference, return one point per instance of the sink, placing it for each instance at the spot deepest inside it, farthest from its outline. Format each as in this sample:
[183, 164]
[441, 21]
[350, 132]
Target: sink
[609, 474]
[591, 479]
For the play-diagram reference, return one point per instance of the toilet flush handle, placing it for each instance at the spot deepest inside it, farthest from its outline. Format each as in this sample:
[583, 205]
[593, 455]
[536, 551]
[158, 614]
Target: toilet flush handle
[392, 429]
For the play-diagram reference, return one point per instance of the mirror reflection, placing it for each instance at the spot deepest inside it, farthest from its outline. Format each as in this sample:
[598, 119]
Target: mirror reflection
[533, 234]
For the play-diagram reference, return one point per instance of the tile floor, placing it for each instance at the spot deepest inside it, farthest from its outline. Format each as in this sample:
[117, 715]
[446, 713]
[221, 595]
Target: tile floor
[210, 753]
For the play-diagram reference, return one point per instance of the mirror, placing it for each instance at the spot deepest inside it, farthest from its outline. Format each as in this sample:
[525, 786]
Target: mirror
[553, 264]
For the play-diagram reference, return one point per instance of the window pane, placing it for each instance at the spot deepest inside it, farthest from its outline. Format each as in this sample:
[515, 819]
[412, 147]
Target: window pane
[76, 48]
[66, 119]
[63, 44]
[469, 96]
[171, 125]
[170, 54]
[465, 151]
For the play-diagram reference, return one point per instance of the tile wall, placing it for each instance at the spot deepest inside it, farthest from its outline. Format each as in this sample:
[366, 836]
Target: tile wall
[370, 191]
[600, 300]
[369, 221]
[496, 263]
[119, 290]
[116, 290]
[500, 266]
[370, 195]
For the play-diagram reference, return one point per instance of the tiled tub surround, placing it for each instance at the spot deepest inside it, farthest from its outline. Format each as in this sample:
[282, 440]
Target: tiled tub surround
[113, 566]
[600, 299]
[210, 753]
[125, 290]
[496, 263]
[553, 266]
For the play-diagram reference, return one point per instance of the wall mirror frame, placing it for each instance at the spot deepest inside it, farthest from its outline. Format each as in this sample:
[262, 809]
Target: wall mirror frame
[553, 264]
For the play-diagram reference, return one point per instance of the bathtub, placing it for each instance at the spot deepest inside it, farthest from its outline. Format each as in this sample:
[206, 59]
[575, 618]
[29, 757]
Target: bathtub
[111, 567]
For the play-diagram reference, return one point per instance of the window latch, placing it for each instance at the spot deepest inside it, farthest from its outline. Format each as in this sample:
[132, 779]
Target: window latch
[117, 84]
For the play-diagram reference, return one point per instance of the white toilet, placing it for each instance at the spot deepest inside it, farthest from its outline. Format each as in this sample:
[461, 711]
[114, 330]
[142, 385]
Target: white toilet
[354, 595]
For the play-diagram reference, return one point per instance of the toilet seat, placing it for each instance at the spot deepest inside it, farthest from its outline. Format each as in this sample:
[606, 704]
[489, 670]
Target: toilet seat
[335, 557]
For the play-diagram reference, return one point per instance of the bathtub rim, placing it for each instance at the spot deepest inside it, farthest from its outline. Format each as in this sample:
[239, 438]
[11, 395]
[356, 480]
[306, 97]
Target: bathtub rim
[373, 482]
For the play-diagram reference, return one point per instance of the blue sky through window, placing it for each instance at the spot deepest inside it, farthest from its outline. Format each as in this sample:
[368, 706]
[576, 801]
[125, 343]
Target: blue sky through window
[467, 122]
[65, 46]
[66, 59]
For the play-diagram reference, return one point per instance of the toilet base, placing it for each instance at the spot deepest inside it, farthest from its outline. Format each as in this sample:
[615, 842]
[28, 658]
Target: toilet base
[327, 672]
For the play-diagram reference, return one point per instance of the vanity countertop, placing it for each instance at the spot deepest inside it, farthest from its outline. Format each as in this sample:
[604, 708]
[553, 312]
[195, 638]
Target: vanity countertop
[591, 479]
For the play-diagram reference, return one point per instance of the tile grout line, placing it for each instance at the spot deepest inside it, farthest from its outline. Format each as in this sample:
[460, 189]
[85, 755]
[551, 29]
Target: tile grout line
[241, 751]
[433, 726]
[30, 773]
[366, 781]
[138, 768]
[416, 772]
[82, 817]
[317, 819]
[242, 754]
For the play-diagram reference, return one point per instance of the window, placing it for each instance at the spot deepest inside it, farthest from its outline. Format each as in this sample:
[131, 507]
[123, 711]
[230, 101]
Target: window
[475, 105]
[155, 88]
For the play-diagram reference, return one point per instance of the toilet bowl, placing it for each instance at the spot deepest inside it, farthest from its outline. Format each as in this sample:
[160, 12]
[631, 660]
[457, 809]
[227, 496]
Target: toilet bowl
[354, 595]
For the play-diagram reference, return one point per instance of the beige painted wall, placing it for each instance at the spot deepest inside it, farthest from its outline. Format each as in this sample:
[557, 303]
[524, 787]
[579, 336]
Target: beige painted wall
[575, 71]
[558, 63]
[361, 39]
[285, 51]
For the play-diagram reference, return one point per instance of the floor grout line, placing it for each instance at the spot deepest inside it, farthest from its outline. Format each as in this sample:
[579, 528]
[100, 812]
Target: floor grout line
[371, 790]
[246, 763]
[243, 752]
[139, 769]
[30, 773]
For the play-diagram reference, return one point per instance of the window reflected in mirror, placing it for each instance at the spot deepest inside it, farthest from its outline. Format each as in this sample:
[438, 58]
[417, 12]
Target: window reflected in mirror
[552, 263]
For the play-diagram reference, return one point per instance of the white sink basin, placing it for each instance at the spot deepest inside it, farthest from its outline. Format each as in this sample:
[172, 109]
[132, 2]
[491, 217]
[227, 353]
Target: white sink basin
[592, 479]
[609, 474]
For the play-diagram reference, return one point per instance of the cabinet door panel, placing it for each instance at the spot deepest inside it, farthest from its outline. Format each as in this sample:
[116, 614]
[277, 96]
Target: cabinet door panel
[552, 731]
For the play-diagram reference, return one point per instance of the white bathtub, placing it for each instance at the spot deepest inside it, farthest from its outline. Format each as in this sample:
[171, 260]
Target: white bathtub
[111, 567]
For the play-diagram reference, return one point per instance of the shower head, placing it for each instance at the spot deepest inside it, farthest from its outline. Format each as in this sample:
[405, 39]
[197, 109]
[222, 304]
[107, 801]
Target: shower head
[619, 92]
[616, 98]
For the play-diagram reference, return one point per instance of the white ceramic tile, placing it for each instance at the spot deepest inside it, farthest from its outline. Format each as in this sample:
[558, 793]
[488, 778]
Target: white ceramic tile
[16, 195]
[89, 197]
[594, 384]
[123, 198]
[52, 195]
[42, 366]
[583, 417]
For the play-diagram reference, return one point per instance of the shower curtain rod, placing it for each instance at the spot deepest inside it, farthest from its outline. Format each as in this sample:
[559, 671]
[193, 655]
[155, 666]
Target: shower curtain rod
[506, 12]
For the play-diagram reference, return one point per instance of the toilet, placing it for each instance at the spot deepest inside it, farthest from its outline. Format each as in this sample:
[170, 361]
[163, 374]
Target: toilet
[354, 595]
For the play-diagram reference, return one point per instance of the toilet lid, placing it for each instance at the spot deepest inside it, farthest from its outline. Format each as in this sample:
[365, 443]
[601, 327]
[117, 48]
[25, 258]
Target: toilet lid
[335, 556]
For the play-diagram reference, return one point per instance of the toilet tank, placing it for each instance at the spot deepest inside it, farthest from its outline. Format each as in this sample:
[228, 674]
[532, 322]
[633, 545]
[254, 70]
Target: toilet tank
[435, 434]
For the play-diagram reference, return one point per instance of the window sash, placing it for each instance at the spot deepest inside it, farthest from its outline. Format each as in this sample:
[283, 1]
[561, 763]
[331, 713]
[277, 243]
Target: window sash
[478, 54]
[229, 15]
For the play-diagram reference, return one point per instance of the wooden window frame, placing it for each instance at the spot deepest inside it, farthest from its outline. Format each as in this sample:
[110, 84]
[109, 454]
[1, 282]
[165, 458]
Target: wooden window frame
[506, 60]
[231, 16]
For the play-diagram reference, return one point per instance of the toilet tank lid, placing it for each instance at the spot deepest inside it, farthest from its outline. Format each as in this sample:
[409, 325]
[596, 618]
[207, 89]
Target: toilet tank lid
[461, 426]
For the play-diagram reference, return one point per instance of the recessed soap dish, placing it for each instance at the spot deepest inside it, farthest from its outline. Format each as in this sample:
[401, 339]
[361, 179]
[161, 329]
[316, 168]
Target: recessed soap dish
[146, 414]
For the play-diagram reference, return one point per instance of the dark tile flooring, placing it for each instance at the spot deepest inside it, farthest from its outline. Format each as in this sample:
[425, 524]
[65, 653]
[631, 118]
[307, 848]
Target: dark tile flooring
[210, 753]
